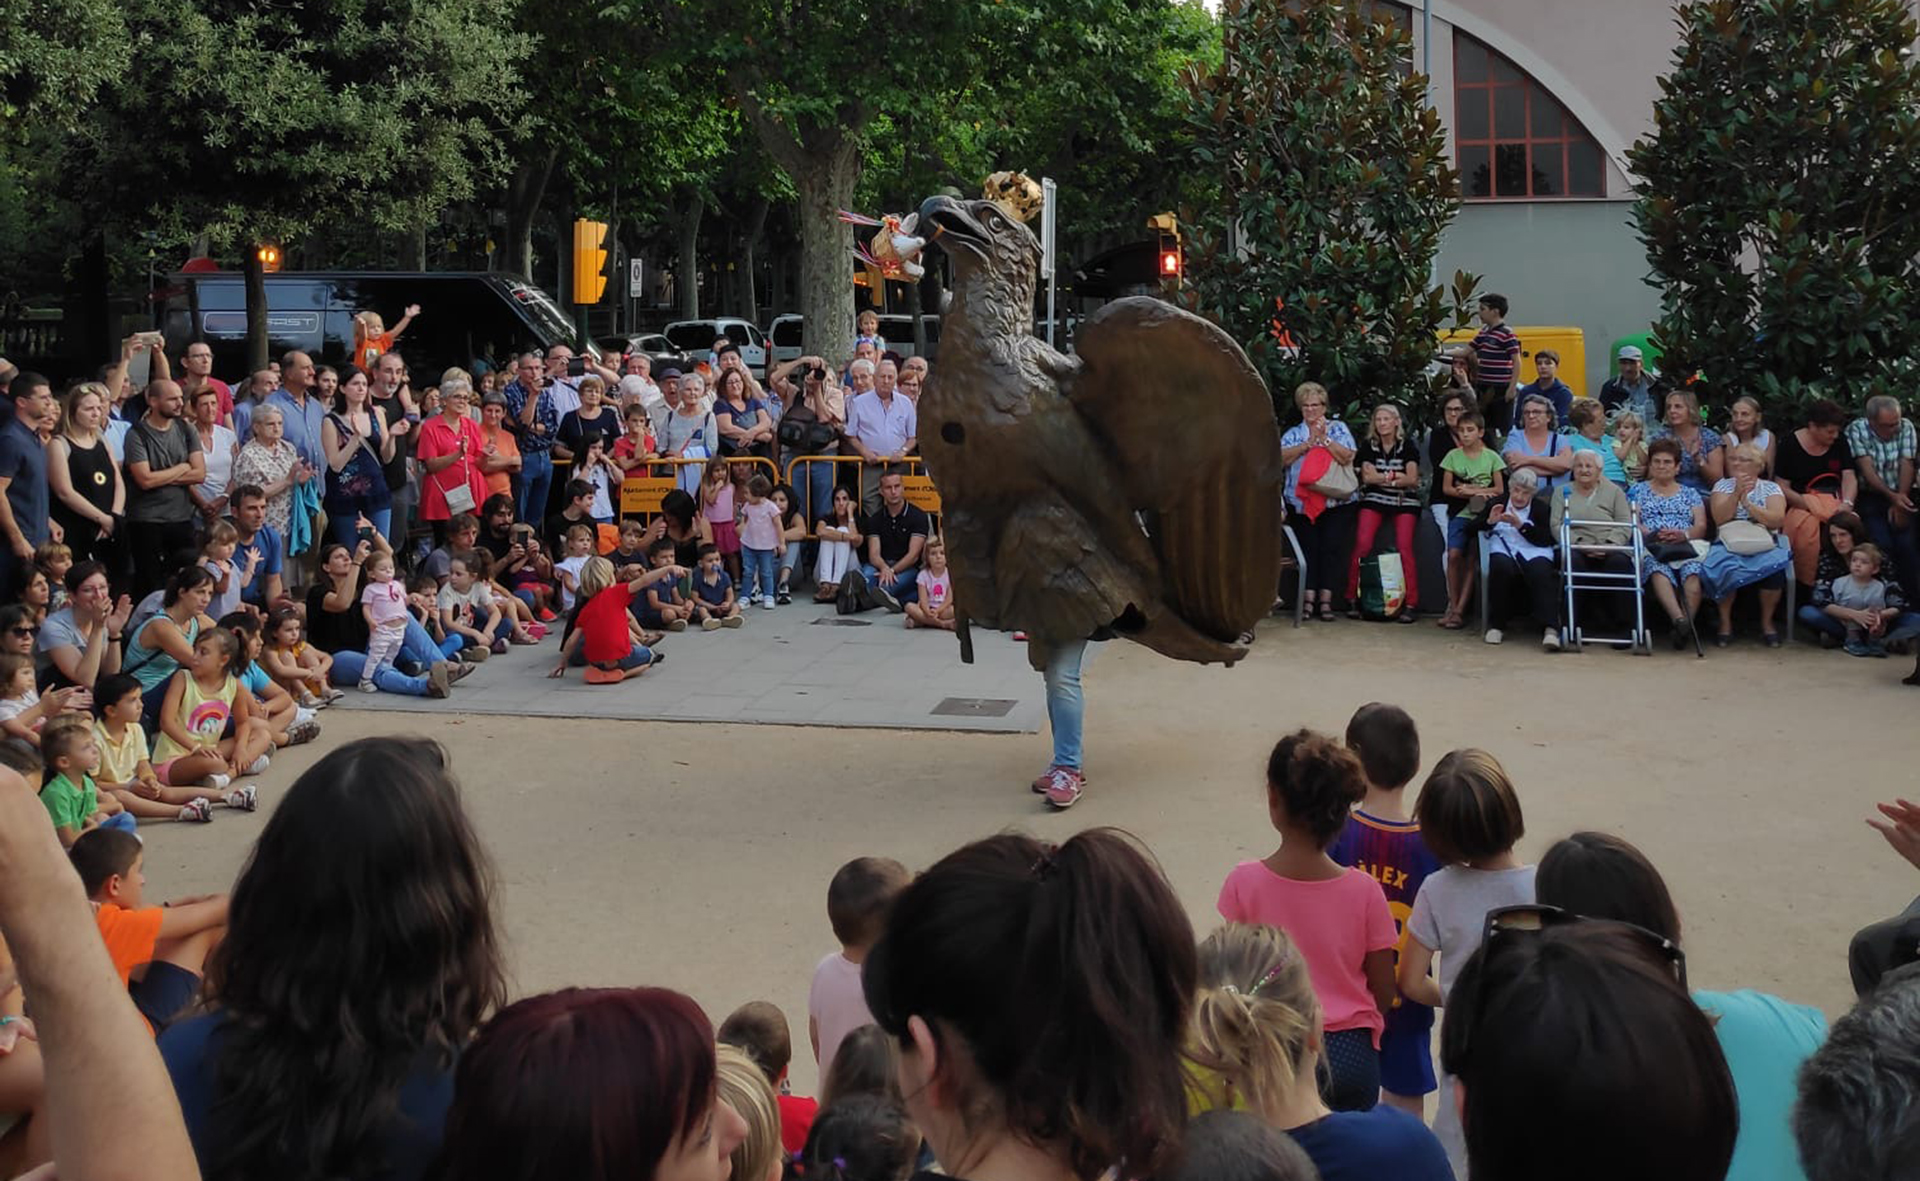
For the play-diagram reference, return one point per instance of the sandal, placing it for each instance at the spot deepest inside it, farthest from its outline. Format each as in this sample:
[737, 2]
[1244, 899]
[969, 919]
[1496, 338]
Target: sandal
[1407, 616]
[1326, 613]
[1453, 623]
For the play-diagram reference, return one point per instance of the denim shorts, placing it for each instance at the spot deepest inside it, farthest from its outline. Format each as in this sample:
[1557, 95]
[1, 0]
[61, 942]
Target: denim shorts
[1459, 529]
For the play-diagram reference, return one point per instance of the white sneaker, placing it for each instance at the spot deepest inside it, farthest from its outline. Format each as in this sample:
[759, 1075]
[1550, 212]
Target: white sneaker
[1494, 635]
[1551, 640]
[767, 602]
[219, 782]
[258, 766]
[302, 714]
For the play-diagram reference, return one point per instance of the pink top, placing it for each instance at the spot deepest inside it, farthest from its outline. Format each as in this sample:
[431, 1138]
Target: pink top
[385, 601]
[836, 1004]
[435, 439]
[720, 508]
[1334, 923]
[760, 525]
[934, 589]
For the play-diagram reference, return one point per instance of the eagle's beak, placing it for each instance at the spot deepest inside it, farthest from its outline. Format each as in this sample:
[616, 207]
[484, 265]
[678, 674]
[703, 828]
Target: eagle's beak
[946, 223]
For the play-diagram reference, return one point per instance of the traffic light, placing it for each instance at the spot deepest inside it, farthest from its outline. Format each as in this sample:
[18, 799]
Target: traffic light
[269, 256]
[1168, 262]
[589, 261]
[1170, 259]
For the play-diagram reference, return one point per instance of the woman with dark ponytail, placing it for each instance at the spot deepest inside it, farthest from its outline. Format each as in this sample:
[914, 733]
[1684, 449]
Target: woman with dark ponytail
[1040, 998]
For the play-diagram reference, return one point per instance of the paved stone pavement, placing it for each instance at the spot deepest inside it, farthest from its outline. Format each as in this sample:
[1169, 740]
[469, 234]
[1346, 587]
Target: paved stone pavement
[795, 665]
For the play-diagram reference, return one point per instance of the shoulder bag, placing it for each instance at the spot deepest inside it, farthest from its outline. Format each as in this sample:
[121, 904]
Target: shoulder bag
[1745, 538]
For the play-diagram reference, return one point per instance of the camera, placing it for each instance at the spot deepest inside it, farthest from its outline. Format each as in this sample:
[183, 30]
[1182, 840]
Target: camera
[364, 533]
[577, 367]
[817, 373]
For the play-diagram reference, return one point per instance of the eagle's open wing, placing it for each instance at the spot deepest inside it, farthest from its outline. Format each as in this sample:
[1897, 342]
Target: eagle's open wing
[1192, 426]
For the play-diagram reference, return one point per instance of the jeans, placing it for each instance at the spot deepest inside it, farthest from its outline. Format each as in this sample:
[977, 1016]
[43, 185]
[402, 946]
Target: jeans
[1896, 542]
[344, 525]
[347, 667]
[1905, 626]
[906, 583]
[535, 483]
[1364, 532]
[1066, 707]
[639, 657]
[420, 647]
[1540, 579]
[757, 573]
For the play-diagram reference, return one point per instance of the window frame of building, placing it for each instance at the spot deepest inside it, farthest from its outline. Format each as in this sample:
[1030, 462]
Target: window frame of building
[1549, 147]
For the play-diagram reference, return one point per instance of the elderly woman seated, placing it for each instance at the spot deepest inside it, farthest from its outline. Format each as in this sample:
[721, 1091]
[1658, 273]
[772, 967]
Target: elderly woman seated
[1750, 549]
[1591, 500]
[1520, 563]
[1672, 518]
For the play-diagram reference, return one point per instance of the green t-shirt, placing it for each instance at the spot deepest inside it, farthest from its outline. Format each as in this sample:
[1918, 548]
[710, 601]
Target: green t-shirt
[1472, 471]
[69, 805]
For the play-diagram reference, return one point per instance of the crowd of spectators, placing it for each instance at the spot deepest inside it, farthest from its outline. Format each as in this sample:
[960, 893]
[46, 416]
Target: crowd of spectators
[1827, 503]
[1019, 1011]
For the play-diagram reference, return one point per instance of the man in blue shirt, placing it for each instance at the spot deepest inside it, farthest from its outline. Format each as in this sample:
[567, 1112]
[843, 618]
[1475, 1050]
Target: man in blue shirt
[534, 420]
[24, 512]
[1547, 383]
[249, 508]
[304, 412]
[883, 428]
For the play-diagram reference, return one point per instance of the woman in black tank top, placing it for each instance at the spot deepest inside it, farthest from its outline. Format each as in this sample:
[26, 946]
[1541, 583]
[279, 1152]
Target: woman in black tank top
[85, 480]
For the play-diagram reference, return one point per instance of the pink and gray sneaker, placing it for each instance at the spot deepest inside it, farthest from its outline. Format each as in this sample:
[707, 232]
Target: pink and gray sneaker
[1062, 787]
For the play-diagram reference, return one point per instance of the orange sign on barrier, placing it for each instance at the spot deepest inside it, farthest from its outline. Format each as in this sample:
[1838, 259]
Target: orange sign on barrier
[918, 485]
[643, 494]
[921, 493]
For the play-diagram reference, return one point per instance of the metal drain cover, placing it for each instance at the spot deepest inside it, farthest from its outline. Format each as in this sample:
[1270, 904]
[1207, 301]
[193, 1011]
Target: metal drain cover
[842, 621]
[973, 707]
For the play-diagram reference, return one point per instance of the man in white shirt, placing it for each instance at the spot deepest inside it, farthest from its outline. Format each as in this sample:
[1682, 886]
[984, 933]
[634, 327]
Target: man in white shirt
[882, 428]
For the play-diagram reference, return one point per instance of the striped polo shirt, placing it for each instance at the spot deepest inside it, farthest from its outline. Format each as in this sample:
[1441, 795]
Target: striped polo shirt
[1499, 352]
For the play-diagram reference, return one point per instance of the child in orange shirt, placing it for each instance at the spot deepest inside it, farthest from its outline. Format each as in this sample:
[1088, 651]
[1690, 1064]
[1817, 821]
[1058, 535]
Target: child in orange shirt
[371, 338]
[159, 951]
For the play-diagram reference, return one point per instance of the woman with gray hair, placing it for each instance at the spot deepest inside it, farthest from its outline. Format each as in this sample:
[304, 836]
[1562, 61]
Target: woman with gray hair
[1520, 559]
[449, 449]
[1536, 446]
[274, 464]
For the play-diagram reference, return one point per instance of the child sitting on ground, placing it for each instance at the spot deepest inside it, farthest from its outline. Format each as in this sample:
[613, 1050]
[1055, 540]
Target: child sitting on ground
[1383, 840]
[199, 704]
[863, 1139]
[23, 711]
[715, 604]
[69, 793]
[1860, 602]
[760, 1029]
[602, 635]
[738, 1083]
[1470, 818]
[467, 609]
[299, 667]
[1337, 916]
[632, 550]
[423, 603]
[522, 625]
[287, 721]
[159, 951]
[125, 772]
[567, 570]
[933, 607]
[858, 899]
[665, 608]
[384, 603]
[54, 559]
[230, 579]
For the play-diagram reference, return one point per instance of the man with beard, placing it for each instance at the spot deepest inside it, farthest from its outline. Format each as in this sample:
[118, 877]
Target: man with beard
[164, 460]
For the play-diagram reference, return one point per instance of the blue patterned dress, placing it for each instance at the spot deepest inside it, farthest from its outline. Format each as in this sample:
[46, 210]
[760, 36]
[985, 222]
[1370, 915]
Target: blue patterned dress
[1672, 511]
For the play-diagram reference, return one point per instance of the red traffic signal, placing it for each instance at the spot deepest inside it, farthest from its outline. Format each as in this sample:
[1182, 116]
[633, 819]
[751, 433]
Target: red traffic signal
[1170, 262]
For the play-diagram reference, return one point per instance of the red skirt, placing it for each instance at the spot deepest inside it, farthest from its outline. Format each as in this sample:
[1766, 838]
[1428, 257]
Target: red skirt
[726, 536]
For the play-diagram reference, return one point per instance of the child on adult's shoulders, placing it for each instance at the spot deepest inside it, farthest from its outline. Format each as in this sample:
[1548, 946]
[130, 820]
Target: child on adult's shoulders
[159, 951]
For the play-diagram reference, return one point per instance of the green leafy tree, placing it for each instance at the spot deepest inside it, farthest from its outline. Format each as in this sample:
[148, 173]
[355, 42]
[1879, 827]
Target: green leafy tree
[54, 55]
[1335, 187]
[257, 123]
[1779, 200]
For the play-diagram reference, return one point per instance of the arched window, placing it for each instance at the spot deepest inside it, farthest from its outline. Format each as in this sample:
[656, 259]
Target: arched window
[1513, 139]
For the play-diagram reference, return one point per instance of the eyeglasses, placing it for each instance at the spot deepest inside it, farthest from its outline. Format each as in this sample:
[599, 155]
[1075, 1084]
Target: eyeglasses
[1531, 919]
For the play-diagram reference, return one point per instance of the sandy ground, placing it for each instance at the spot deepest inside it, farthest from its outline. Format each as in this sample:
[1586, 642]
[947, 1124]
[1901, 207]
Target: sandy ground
[697, 855]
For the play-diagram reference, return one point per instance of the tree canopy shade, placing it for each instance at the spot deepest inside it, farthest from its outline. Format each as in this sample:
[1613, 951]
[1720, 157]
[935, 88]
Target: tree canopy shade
[54, 56]
[259, 123]
[1779, 200]
[1336, 185]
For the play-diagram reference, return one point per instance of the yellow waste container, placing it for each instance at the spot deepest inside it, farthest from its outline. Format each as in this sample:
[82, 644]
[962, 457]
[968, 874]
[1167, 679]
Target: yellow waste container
[1570, 343]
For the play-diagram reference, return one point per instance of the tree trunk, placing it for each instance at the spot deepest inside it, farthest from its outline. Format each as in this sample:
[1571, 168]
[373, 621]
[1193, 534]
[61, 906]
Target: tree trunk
[919, 324]
[256, 277]
[417, 242]
[825, 186]
[525, 190]
[686, 276]
[750, 240]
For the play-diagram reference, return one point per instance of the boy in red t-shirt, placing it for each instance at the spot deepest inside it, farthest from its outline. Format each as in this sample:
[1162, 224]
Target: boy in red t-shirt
[159, 951]
[601, 633]
[760, 1031]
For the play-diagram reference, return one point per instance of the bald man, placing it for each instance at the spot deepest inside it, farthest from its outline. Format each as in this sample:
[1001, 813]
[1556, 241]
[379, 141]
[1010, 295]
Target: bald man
[164, 460]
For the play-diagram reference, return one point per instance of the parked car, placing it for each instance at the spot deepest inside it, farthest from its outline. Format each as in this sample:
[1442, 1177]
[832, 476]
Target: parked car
[652, 345]
[464, 316]
[785, 331]
[696, 337]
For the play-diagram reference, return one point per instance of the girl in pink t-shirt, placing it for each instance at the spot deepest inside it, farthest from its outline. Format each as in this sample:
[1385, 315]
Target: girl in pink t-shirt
[1337, 917]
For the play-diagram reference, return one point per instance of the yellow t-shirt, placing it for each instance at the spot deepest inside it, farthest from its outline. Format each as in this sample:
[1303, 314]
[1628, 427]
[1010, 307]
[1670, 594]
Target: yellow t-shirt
[120, 761]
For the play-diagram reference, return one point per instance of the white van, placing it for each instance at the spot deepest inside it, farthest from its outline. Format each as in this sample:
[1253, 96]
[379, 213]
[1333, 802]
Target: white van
[696, 337]
[784, 335]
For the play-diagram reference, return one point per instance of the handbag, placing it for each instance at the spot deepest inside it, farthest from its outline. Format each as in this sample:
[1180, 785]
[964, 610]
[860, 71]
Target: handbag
[460, 496]
[1745, 538]
[1338, 483]
[1673, 552]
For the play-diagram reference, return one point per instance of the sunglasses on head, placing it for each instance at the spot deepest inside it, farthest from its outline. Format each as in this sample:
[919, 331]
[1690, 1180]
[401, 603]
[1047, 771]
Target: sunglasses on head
[1503, 923]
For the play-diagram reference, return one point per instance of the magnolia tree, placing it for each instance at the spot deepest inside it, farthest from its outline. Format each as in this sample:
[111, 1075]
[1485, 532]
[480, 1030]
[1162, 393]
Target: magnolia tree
[1779, 200]
[1335, 187]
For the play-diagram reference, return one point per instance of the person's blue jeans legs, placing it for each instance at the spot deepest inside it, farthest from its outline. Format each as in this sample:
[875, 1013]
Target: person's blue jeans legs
[1820, 623]
[641, 655]
[344, 526]
[1895, 541]
[757, 575]
[1066, 707]
[906, 585]
[536, 481]
[347, 667]
[420, 647]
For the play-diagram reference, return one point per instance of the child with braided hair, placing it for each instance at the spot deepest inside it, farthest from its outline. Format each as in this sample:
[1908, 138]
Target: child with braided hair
[1337, 916]
[1258, 1041]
